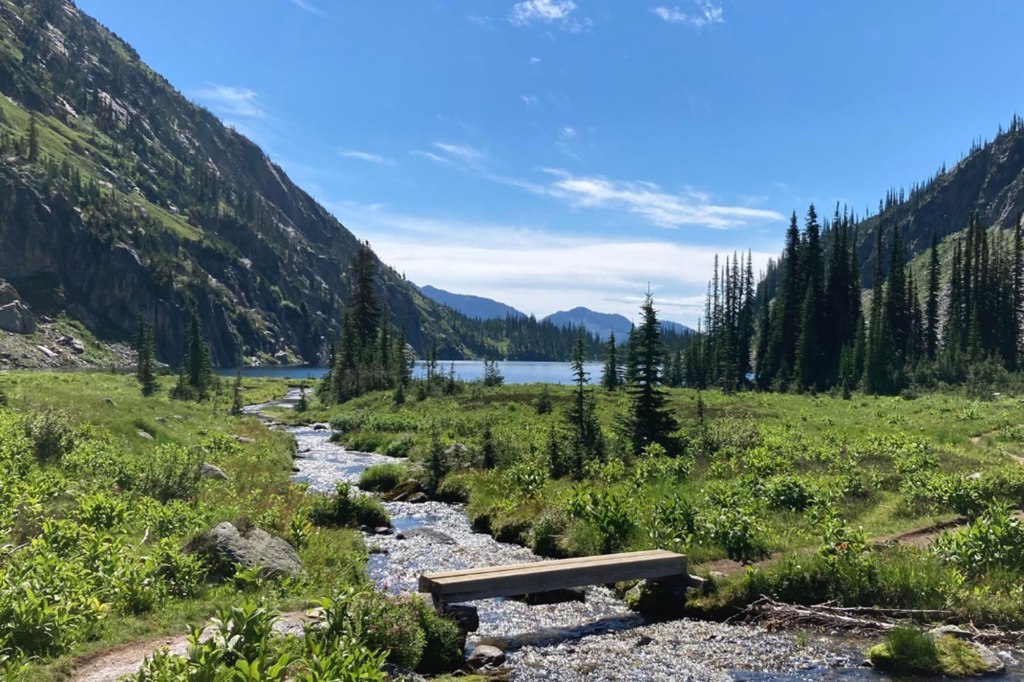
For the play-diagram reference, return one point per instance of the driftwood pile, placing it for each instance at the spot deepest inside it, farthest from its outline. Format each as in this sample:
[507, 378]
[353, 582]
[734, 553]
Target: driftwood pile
[865, 619]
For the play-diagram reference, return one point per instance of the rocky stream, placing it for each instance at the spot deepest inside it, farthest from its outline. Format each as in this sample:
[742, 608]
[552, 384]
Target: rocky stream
[598, 638]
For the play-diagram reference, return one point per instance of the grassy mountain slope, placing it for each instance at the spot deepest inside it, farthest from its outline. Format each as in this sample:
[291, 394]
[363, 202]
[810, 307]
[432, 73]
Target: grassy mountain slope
[132, 199]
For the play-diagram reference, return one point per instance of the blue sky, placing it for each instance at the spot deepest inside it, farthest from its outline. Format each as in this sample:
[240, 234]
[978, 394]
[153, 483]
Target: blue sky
[552, 153]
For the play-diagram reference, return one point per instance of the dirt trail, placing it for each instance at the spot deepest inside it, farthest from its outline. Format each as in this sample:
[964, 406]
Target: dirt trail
[1016, 455]
[112, 664]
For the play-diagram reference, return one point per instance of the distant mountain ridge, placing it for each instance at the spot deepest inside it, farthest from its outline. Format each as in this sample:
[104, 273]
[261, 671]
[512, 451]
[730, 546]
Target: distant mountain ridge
[476, 307]
[603, 324]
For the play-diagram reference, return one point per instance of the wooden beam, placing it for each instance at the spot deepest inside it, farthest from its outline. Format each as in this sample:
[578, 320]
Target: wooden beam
[543, 576]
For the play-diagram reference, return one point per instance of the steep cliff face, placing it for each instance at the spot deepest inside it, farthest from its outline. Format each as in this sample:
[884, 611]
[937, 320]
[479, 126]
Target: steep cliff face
[118, 196]
[989, 181]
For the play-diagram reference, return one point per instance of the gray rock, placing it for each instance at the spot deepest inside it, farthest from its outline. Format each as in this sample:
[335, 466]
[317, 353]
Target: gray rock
[47, 352]
[71, 342]
[953, 630]
[991, 664]
[212, 471]
[417, 498]
[321, 427]
[485, 656]
[429, 533]
[8, 294]
[144, 434]
[402, 491]
[255, 547]
[15, 317]
[244, 440]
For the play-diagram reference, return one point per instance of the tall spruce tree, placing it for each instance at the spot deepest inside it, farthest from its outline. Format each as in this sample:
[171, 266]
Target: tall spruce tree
[611, 376]
[650, 420]
[196, 378]
[145, 352]
[587, 441]
[786, 316]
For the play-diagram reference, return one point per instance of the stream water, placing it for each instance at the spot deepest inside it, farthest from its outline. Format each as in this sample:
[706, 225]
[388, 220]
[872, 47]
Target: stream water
[596, 639]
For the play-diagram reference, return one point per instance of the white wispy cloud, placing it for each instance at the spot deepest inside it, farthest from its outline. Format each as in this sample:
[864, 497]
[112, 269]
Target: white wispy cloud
[704, 13]
[460, 151]
[556, 12]
[532, 101]
[540, 271]
[431, 155]
[306, 6]
[648, 200]
[366, 156]
[535, 60]
[229, 101]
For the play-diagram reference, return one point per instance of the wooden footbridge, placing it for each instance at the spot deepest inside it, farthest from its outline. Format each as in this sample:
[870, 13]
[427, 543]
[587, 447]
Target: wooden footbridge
[661, 566]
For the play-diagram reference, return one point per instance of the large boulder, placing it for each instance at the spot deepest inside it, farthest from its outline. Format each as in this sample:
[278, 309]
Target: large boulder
[212, 471]
[8, 294]
[485, 656]
[225, 545]
[15, 317]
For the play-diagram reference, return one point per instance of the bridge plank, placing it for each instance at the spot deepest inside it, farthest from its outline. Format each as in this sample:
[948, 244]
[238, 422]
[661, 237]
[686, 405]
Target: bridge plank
[543, 576]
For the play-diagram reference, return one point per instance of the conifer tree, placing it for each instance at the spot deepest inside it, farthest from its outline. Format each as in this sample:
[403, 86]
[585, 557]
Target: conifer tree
[33, 138]
[145, 366]
[878, 346]
[611, 375]
[650, 419]
[236, 392]
[786, 318]
[587, 441]
[196, 377]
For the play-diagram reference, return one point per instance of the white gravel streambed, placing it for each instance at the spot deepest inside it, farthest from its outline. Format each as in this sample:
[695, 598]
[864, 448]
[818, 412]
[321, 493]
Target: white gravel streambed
[596, 639]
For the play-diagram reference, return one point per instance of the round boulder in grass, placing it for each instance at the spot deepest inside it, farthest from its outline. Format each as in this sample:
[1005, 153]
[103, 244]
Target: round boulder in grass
[225, 545]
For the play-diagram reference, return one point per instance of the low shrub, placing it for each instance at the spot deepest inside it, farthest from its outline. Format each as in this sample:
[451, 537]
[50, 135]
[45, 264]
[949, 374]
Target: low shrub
[994, 541]
[443, 643]
[382, 477]
[51, 433]
[346, 508]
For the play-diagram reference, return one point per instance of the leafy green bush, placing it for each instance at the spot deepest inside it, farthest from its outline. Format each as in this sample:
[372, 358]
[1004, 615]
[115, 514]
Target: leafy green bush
[993, 541]
[794, 493]
[736, 530]
[443, 640]
[382, 477]
[608, 513]
[674, 522]
[51, 433]
[347, 508]
[546, 535]
[102, 511]
[400, 447]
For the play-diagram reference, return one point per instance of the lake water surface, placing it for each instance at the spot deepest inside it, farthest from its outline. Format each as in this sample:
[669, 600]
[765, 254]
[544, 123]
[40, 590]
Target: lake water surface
[514, 371]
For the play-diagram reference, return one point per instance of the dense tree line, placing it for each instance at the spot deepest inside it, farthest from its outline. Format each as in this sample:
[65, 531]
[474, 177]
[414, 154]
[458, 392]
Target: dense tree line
[370, 355]
[803, 327]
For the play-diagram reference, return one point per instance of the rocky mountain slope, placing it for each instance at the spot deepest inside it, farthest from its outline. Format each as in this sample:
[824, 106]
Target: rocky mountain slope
[118, 196]
[989, 181]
